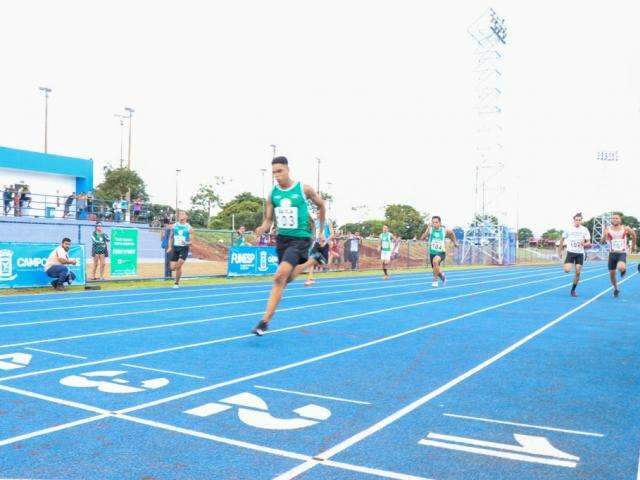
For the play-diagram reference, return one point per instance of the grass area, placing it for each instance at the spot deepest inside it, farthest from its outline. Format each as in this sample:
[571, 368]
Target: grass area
[132, 284]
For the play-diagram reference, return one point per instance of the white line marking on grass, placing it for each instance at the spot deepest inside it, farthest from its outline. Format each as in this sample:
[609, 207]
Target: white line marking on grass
[539, 427]
[303, 394]
[358, 437]
[262, 299]
[336, 352]
[298, 326]
[162, 371]
[56, 353]
[288, 309]
[45, 431]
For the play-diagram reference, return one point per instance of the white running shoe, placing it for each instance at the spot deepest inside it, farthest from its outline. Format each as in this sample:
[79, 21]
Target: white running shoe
[175, 285]
[434, 284]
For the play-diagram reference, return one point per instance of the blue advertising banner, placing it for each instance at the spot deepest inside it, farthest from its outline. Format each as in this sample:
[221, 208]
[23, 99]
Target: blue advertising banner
[244, 261]
[22, 264]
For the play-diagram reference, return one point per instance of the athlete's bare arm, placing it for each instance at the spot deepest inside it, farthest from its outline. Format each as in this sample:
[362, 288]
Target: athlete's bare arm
[312, 195]
[634, 239]
[452, 236]
[605, 235]
[426, 233]
[268, 219]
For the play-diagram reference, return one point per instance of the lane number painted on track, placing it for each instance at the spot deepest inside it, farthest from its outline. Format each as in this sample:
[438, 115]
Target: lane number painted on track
[530, 448]
[113, 384]
[11, 361]
[253, 411]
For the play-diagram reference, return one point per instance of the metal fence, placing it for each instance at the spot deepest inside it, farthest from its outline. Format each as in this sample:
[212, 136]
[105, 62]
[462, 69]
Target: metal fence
[79, 207]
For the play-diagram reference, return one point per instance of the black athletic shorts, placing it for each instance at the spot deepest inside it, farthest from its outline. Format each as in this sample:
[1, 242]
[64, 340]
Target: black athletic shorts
[615, 257]
[442, 256]
[179, 253]
[323, 251]
[293, 250]
[577, 258]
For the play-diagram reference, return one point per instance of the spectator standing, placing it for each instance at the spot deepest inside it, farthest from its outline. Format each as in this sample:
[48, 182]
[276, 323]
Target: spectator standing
[116, 211]
[16, 202]
[81, 206]
[67, 204]
[354, 245]
[25, 198]
[57, 265]
[99, 250]
[124, 207]
[240, 240]
[90, 212]
[7, 197]
[137, 208]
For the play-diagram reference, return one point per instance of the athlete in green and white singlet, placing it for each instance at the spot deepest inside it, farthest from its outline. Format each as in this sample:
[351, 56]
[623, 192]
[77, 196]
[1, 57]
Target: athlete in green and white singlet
[386, 248]
[437, 235]
[288, 206]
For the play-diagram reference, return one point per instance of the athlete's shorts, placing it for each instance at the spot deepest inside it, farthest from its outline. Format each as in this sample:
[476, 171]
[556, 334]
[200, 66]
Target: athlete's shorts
[179, 253]
[615, 257]
[577, 258]
[322, 253]
[442, 256]
[293, 250]
[385, 256]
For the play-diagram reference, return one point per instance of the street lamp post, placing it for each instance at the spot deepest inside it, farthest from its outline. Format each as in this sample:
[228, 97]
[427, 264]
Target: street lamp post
[264, 199]
[46, 91]
[273, 149]
[177, 175]
[121, 117]
[318, 160]
[130, 110]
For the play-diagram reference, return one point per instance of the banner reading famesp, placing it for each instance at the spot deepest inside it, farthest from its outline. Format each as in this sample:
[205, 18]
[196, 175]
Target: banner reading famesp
[252, 261]
[22, 264]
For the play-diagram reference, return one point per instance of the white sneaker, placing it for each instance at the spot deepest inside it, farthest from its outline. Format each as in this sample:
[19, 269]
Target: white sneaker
[175, 285]
[434, 284]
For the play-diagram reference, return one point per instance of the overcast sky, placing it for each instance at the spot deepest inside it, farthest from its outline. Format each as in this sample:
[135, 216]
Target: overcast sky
[381, 91]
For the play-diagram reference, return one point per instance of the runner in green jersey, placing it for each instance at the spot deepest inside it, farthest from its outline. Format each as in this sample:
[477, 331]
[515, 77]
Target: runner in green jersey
[386, 248]
[288, 204]
[437, 234]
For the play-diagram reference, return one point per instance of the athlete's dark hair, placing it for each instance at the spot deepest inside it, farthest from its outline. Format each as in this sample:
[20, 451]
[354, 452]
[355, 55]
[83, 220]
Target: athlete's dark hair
[436, 216]
[280, 160]
[579, 214]
[65, 239]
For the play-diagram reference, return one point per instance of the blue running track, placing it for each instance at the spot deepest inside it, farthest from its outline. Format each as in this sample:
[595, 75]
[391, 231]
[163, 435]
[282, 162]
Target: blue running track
[500, 374]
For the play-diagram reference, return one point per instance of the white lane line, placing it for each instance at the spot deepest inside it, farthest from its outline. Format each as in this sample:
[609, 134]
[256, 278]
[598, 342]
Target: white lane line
[358, 437]
[303, 394]
[241, 302]
[338, 352]
[292, 327]
[162, 371]
[527, 425]
[260, 312]
[49, 398]
[56, 353]
[167, 290]
[45, 431]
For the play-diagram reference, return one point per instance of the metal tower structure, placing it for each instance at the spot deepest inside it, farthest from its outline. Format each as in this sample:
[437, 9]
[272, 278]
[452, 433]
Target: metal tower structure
[486, 241]
[490, 34]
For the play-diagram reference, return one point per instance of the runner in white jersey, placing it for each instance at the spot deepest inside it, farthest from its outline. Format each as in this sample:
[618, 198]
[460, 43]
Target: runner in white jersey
[386, 249]
[617, 236]
[576, 237]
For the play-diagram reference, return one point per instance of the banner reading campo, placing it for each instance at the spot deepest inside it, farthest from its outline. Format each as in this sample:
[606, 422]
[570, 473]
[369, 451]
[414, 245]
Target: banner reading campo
[252, 261]
[22, 264]
[124, 252]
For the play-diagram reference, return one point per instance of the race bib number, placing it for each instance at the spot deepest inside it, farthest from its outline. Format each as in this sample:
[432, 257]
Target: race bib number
[576, 244]
[287, 217]
[437, 245]
[179, 241]
[386, 245]
[618, 244]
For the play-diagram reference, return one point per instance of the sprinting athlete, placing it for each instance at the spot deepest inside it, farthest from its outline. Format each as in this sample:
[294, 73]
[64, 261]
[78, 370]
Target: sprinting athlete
[617, 236]
[436, 235]
[321, 248]
[577, 237]
[288, 202]
[386, 248]
[179, 242]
